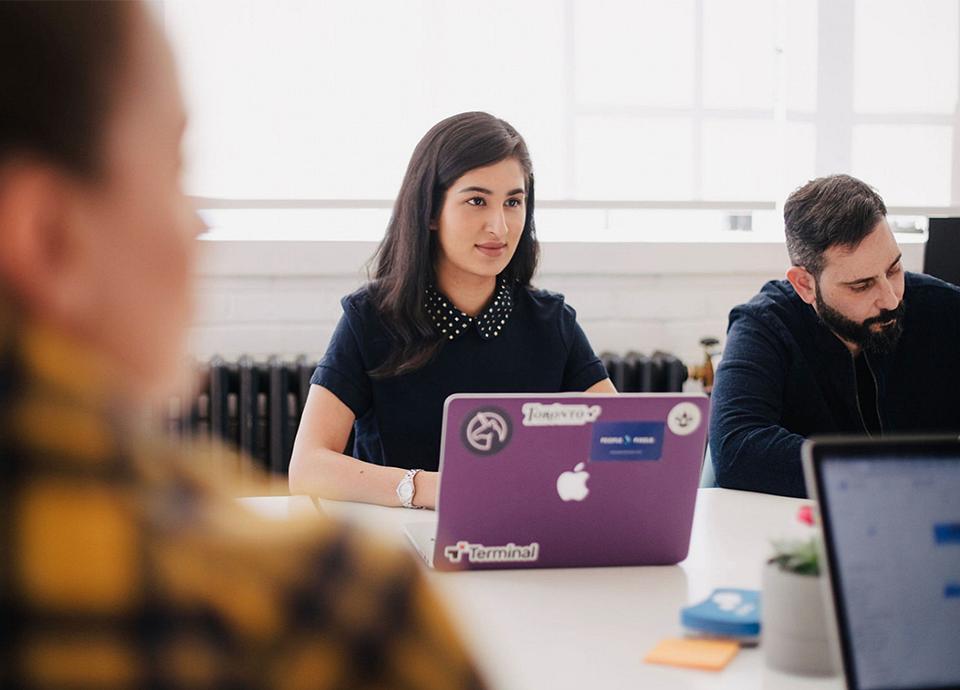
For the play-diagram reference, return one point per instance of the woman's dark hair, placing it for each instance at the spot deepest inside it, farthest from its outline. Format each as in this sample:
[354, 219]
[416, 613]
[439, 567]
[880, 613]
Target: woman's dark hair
[59, 64]
[405, 258]
[838, 210]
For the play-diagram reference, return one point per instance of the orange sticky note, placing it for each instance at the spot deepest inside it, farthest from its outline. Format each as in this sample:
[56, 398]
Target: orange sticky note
[710, 655]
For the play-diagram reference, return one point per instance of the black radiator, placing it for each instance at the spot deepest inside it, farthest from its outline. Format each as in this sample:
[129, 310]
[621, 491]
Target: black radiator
[251, 406]
[255, 406]
[634, 372]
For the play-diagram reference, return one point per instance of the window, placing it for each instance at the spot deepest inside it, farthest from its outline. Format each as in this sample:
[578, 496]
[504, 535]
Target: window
[307, 111]
[905, 99]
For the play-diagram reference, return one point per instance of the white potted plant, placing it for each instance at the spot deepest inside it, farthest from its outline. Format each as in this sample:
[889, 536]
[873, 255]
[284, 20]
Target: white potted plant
[796, 637]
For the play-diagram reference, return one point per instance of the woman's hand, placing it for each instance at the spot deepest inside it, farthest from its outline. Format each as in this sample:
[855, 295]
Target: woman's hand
[426, 485]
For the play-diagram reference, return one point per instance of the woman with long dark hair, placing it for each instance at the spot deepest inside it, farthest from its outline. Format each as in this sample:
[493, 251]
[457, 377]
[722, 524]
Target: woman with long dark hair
[450, 310]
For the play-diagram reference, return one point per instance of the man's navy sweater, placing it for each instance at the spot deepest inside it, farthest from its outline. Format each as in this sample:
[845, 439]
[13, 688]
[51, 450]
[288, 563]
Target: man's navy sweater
[785, 376]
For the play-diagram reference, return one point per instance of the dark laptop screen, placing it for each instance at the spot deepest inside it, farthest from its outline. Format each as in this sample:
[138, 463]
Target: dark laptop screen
[941, 256]
[892, 527]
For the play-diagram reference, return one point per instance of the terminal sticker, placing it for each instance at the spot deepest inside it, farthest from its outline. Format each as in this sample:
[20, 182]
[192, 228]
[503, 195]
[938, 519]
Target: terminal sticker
[506, 553]
[627, 441]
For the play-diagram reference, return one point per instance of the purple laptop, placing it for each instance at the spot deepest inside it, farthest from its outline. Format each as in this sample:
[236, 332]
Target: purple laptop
[565, 480]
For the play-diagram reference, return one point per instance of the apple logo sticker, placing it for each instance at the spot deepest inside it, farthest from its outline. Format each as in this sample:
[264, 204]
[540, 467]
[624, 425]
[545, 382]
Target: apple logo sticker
[572, 486]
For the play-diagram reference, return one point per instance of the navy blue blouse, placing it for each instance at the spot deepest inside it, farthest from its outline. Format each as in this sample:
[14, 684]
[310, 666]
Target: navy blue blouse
[525, 341]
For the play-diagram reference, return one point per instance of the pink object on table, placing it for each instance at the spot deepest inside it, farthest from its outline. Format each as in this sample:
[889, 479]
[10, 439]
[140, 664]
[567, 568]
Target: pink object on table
[805, 515]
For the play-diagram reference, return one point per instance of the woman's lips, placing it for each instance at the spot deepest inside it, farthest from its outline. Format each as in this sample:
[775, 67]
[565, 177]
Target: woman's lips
[492, 249]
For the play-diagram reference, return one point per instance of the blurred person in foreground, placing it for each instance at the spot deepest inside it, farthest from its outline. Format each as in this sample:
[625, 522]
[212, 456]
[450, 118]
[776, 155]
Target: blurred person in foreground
[119, 566]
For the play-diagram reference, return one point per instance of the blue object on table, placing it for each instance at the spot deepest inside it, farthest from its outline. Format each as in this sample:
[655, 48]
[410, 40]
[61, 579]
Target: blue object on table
[733, 613]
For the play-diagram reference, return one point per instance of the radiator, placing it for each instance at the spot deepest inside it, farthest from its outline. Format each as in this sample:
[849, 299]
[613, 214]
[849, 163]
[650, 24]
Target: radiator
[660, 372]
[252, 406]
[255, 406]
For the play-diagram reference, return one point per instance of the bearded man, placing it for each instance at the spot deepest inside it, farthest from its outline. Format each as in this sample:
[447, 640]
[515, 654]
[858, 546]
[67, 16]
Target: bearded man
[849, 343]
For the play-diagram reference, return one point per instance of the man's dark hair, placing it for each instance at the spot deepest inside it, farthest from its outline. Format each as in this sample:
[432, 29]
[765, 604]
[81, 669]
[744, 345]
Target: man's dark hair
[59, 64]
[838, 210]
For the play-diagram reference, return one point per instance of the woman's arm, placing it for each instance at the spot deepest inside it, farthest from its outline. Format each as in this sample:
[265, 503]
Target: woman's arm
[605, 386]
[318, 466]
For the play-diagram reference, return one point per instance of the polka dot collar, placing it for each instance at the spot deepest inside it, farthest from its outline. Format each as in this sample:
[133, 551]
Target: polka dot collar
[451, 322]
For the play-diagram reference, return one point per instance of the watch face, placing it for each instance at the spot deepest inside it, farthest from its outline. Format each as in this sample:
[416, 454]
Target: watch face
[406, 491]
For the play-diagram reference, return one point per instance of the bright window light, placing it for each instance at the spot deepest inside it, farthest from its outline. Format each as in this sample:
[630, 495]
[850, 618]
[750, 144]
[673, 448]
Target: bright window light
[706, 105]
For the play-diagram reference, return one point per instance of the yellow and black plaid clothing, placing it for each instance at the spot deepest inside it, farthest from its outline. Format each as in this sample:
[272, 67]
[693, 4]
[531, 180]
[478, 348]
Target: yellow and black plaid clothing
[120, 567]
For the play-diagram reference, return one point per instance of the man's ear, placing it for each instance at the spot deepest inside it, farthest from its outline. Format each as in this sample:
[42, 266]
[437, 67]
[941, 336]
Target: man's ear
[34, 236]
[803, 282]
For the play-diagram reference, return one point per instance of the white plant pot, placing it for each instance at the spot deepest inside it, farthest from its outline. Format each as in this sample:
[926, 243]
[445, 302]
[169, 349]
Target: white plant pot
[795, 635]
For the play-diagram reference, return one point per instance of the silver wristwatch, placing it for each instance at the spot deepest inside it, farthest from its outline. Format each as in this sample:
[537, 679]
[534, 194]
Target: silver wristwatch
[406, 489]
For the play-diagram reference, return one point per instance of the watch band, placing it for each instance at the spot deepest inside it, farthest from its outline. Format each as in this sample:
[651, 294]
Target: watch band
[407, 489]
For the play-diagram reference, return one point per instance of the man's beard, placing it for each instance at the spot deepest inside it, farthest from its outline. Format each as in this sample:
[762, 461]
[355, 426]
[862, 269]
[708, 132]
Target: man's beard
[879, 342]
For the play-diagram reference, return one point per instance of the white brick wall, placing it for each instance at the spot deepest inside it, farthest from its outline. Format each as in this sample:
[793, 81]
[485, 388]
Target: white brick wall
[275, 297]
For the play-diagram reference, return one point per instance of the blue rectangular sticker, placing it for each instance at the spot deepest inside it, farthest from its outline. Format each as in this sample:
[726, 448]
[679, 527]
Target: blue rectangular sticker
[627, 441]
[947, 533]
[952, 590]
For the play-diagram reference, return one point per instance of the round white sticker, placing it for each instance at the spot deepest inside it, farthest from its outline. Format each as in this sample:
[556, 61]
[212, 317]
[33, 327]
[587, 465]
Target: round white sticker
[684, 419]
[487, 431]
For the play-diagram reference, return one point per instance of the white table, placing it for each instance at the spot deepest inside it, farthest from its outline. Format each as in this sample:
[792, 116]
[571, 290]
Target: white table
[590, 628]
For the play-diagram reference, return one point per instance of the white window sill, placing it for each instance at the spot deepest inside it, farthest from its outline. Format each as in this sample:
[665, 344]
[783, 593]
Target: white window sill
[297, 254]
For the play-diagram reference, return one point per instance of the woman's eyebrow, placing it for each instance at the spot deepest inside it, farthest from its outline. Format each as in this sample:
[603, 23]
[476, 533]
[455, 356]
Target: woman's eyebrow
[484, 190]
